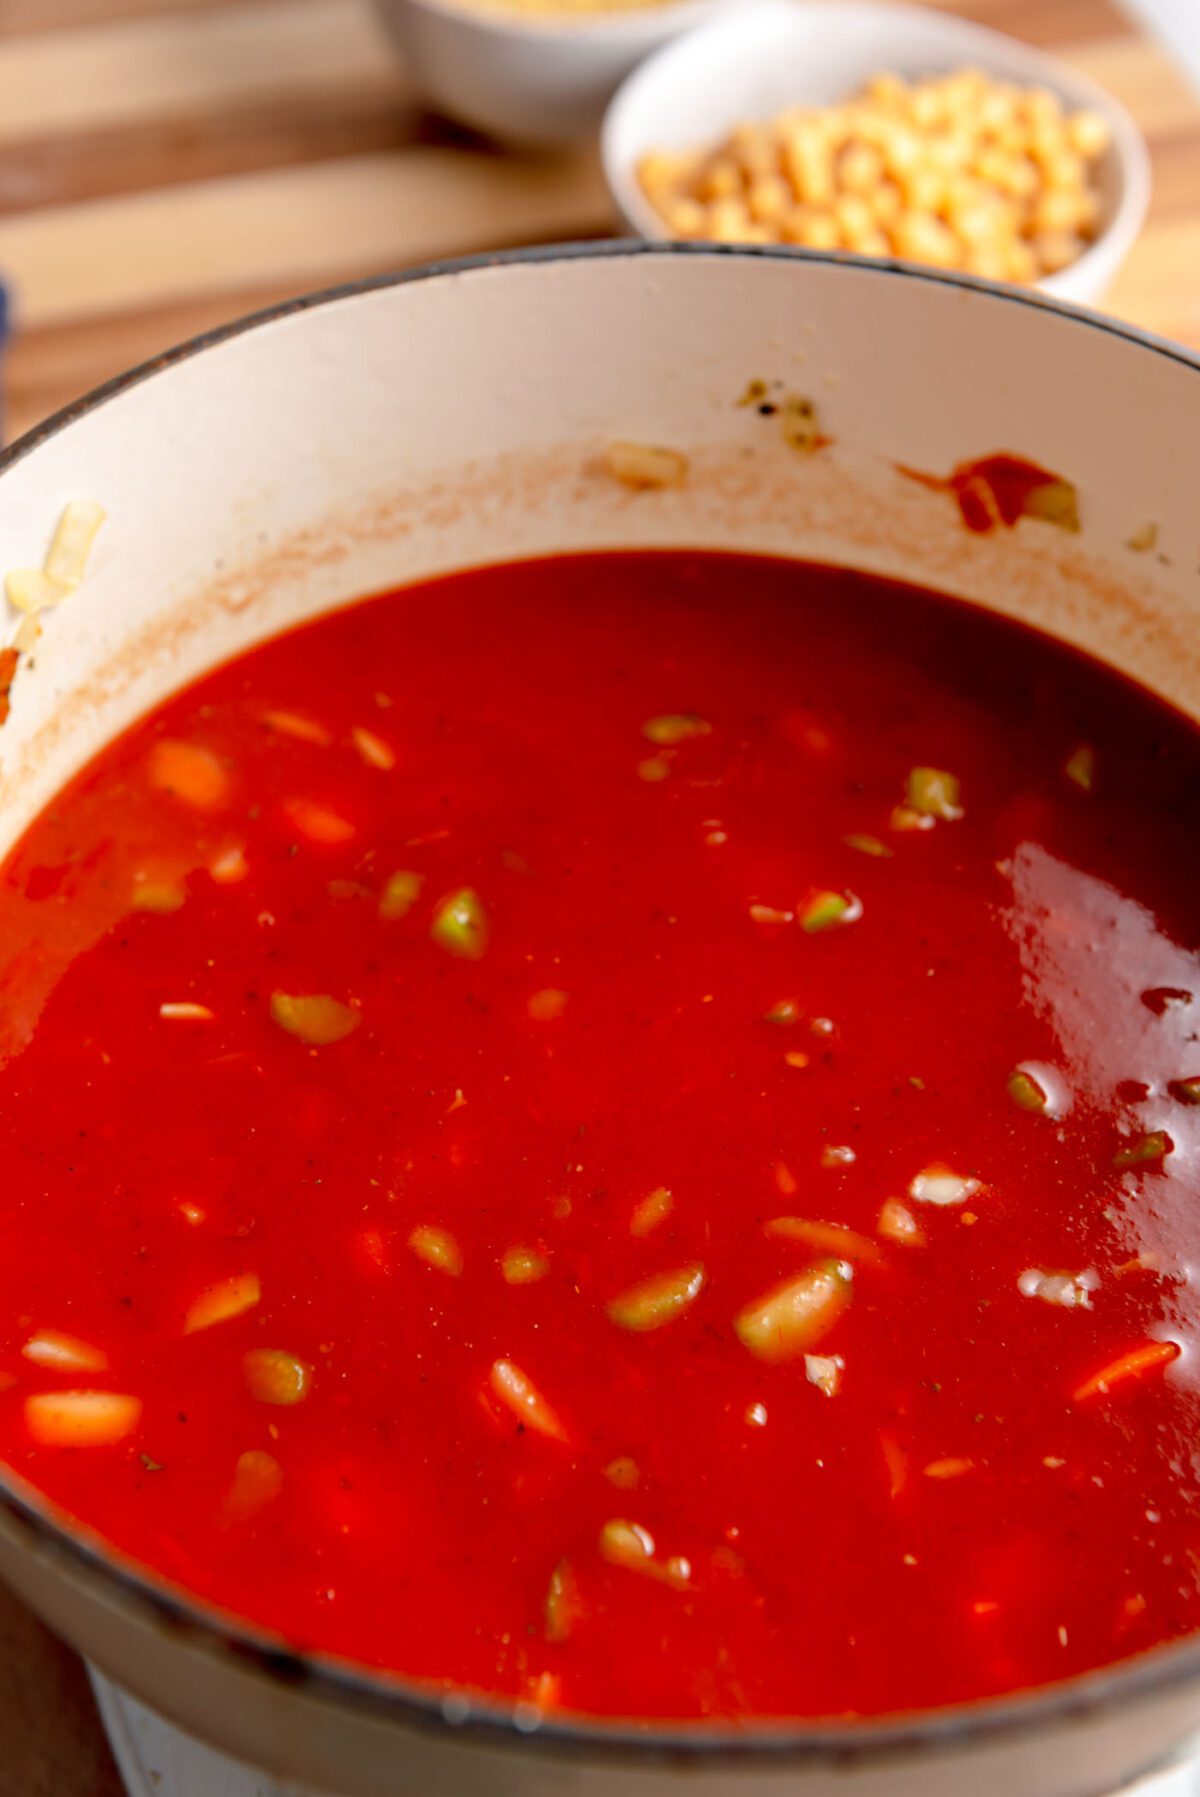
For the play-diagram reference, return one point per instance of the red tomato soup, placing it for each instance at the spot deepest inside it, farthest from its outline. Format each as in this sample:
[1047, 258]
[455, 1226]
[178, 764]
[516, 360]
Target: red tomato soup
[622, 1131]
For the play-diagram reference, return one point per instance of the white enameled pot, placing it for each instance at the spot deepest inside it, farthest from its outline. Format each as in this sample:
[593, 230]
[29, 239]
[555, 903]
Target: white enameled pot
[458, 416]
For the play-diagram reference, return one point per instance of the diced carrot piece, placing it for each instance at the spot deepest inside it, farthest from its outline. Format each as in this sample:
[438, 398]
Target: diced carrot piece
[374, 751]
[64, 1353]
[189, 773]
[517, 1390]
[318, 822]
[547, 1005]
[795, 1315]
[158, 896]
[257, 1482]
[305, 730]
[827, 1238]
[546, 1691]
[81, 1419]
[218, 1303]
[1138, 1361]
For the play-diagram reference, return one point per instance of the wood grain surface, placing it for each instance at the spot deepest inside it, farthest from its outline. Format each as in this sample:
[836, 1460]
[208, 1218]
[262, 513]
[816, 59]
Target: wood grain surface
[168, 164]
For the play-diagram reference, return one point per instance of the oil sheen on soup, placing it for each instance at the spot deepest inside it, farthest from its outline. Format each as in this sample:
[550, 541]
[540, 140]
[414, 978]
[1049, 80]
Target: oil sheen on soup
[621, 1132]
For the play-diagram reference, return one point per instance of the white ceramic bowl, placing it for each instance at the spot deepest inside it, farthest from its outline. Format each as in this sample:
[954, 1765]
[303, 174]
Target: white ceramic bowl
[761, 59]
[339, 445]
[531, 79]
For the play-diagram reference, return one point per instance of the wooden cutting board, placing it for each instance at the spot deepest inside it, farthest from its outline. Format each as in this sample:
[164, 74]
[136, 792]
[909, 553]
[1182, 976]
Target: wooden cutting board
[168, 164]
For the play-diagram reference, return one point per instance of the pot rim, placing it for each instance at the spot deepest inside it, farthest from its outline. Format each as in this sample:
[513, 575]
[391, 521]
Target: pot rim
[489, 1721]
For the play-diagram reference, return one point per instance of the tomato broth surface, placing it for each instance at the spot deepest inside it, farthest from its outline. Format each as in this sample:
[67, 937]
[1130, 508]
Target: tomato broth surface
[622, 1131]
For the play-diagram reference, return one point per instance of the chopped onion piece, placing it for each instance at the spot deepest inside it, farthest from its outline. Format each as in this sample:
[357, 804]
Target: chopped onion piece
[517, 1390]
[658, 1300]
[953, 1467]
[1070, 1290]
[904, 819]
[675, 727]
[824, 1371]
[1144, 1150]
[374, 751]
[932, 792]
[521, 1266]
[1034, 1086]
[64, 1353]
[81, 1419]
[650, 1211]
[1025, 1091]
[26, 636]
[317, 822]
[400, 893]
[305, 730]
[1054, 501]
[257, 1482]
[837, 1154]
[225, 1299]
[898, 1224]
[645, 466]
[67, 557]
[230, 866]
[314, 1018]
[783, 1011]
[795, 1315]
[770, 914]
[939, 1184]
[653, 769]
[623, 1473]
[159, 896]
[822, 910]
[188, 772]
[626, 1544]
[826, 1238]
[868, 845]
[437, 1248]
[31, 590]
[1144, 1359]
[460, 924]
[1080, 767]
[563, 1606]
[274, 1376]
[183, 1010]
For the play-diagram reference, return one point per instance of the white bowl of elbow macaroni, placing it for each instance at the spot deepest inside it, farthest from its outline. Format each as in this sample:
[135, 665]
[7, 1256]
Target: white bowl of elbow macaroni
[758, 63]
